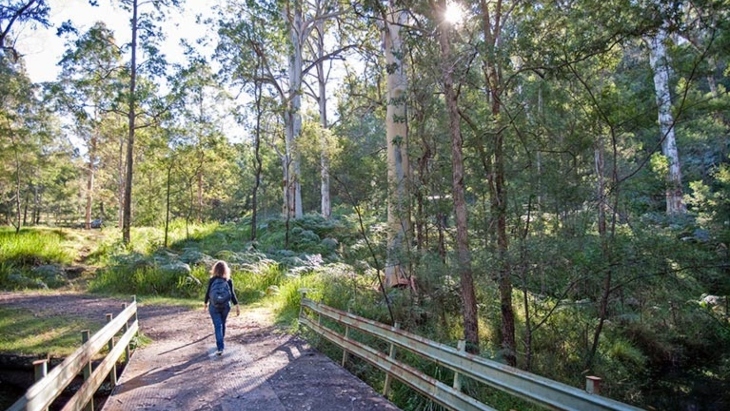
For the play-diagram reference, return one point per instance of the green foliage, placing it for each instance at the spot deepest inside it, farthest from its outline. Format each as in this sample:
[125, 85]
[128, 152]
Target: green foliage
[258, 281]
[148, 280]
[712, 202]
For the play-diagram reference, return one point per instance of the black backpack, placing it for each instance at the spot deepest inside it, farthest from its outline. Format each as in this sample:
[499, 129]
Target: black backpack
[220, 294]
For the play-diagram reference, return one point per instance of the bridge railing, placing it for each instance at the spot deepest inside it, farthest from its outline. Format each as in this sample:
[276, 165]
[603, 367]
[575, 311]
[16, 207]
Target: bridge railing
[49, 385]
[539, 390]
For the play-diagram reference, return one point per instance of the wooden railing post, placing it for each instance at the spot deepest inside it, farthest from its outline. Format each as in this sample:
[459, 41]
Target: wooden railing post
[87, 369]
[134, 300]
[113, 372]
[301, 306]
[391, 355]
[40, 369]
[136, 320]
[125, 327]
[461, 346]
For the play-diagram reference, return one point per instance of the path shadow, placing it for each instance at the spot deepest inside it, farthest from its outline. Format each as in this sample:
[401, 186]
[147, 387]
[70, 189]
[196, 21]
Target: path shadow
[187, 345]
[158, 375]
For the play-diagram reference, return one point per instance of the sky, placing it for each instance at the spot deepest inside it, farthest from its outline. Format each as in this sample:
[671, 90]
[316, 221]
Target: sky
[42, 49]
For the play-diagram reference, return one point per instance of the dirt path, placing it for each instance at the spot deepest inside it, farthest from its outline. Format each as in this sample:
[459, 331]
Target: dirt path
[262, 368]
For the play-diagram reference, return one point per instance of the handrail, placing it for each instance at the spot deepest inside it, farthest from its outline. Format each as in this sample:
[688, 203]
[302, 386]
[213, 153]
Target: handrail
[542, 391]
[41, 394]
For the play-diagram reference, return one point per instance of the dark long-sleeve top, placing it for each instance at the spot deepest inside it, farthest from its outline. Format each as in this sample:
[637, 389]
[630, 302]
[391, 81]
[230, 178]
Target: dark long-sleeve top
[230, 285]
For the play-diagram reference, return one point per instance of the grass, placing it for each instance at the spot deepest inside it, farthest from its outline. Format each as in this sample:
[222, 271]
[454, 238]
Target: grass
[22, 332]
[32, 247]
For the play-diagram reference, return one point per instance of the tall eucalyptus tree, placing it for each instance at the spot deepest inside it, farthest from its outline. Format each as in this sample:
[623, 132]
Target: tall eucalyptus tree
[90, 70]
[143, 28]
[494, 16]
[396, 135]
[464, 264]
[319, 43]
[276, 34]
[657, 43]
[252, 49]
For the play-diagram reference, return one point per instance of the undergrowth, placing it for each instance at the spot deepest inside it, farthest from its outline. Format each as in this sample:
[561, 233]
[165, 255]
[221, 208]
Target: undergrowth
[26, 257]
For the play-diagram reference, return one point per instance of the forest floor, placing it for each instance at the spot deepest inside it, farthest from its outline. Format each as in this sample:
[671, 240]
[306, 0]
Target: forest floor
[262, 367]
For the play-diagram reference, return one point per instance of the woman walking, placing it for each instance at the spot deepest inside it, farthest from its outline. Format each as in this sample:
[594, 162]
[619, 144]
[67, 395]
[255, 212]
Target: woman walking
[218, 299]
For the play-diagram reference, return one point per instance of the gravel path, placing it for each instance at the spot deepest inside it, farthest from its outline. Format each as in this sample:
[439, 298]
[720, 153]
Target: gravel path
[262, 368]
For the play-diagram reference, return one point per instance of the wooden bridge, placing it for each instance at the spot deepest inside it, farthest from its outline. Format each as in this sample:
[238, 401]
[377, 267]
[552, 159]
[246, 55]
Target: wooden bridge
[261, 369]
[264, 369]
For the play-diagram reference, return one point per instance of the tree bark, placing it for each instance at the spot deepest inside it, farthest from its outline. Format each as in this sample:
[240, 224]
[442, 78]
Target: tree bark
[326, 206]
[660, 66]
[167, 202]
[293, 117]
[120, 181]
[201, 161]
[397, 143]
[92, 173]
[16, 150]
[492, 29]
[127, 214]
[258, 161]
[468, 296]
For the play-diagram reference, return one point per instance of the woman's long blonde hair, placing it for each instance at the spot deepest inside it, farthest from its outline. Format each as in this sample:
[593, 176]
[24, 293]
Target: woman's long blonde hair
[221, 269]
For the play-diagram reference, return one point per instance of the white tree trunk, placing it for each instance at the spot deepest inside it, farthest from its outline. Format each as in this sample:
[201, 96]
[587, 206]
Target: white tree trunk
[293, 118]
[397, 144]
[324, 141]
[660, 67]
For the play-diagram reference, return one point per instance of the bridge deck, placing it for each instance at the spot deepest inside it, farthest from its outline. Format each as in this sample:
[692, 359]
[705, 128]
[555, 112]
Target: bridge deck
[259, 370]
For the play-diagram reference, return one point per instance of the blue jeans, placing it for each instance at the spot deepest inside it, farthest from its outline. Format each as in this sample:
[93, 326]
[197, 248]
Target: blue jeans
[219, 324]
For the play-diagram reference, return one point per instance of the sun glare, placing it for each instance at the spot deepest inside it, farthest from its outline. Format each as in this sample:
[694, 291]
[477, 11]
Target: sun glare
[454, 13]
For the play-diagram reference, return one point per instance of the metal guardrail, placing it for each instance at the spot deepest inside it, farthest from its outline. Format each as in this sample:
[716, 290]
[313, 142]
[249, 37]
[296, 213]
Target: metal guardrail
[545, 392]
[48, 387]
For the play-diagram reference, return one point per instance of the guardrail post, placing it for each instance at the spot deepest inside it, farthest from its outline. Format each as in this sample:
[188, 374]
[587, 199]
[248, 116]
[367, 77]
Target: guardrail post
[391, 355]
[40, 369]
[87, 369]
[461, 346]
[113, 372]
[347, 335]
[593, 385]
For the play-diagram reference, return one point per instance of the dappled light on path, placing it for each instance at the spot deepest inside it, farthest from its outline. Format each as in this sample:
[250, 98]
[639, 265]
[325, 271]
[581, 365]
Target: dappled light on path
[260, 369]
